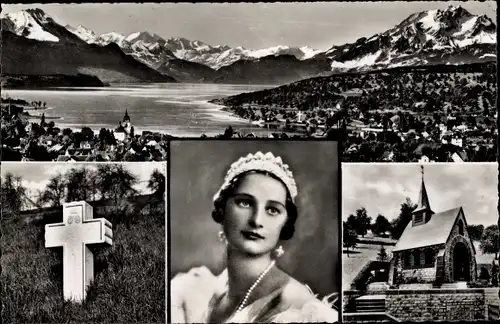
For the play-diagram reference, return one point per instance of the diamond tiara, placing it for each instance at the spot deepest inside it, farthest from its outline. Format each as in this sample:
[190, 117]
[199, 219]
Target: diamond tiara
[260, 162]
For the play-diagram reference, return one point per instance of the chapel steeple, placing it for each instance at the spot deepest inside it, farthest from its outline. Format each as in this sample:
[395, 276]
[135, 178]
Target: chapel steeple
[422, 214]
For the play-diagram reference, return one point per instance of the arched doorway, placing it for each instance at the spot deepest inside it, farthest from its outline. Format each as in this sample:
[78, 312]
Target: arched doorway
[461, 262]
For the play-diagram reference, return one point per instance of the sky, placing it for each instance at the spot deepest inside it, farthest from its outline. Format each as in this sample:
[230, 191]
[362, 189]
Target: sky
[319, 25]
[36, 175]
[382, 188]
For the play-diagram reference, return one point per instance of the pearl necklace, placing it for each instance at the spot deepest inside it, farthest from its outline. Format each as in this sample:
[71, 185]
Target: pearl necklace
[249, 292]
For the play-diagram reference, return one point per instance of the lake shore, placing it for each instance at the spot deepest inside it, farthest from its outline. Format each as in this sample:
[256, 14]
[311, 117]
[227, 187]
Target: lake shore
[175, 109]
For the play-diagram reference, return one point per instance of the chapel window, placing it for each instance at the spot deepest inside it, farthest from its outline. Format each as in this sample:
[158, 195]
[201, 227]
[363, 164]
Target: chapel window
[460, 227]
[411, 262]
[429, 257]
[416, 258]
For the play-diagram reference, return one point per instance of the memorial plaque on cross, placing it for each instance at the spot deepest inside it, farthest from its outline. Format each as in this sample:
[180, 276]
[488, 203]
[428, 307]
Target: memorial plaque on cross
[77, 231]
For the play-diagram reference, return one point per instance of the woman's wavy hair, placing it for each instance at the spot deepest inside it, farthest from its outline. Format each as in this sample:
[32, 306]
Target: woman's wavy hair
[220, 203]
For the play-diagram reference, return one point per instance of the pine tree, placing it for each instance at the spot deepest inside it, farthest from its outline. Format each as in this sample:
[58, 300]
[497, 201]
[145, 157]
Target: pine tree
[494, 274]
[382, 254]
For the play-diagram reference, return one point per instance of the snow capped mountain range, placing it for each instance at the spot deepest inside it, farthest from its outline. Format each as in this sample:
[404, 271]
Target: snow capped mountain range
[151, 48]
[140, 43]
[222, 55]
[430, 37]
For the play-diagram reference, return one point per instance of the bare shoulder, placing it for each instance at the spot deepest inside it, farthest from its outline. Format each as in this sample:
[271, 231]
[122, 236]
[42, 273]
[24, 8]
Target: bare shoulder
[200, 277]
[296, 293]
[303, 306]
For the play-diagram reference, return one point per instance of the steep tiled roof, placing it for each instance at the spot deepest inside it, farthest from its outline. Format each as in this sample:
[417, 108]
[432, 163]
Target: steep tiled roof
[434, 232]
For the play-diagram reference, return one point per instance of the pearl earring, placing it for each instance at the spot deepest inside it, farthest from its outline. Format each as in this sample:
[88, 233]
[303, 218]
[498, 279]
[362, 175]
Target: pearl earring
[222, 236]
[279, 251]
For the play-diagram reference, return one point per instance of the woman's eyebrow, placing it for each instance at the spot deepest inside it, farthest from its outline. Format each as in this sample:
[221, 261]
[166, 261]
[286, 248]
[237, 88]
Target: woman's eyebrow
[277, 202]
[238, 194]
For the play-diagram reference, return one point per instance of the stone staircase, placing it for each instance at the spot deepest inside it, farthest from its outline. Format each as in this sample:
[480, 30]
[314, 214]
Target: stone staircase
[370, 303]
[369, 308]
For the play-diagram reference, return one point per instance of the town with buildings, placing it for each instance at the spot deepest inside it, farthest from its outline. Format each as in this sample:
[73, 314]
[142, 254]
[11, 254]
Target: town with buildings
[442, 114]
[25, 139]
[368, 136]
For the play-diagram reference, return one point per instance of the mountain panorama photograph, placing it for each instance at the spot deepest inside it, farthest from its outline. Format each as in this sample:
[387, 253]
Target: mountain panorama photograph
[397, 81]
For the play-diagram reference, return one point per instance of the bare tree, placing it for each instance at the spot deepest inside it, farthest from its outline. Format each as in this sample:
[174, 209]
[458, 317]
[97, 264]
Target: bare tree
[54, 192]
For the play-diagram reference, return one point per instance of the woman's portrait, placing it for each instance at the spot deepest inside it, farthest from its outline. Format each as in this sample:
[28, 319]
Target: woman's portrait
[254, 231]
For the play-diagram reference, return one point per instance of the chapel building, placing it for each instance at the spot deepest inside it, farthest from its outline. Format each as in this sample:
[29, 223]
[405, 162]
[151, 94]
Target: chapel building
[434, 247]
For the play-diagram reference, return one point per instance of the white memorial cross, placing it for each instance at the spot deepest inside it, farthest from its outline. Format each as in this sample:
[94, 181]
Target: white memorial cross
[74, 234]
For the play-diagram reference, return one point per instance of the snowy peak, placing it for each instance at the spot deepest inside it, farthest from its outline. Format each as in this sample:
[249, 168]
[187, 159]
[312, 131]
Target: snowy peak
[309, 52]
[275, 50]
[143, 46]
[39, 15]
[83, 33]
[29, 23]
[423, 38]
[145, 37]
[453, 27]
[181, 45]
[112, 37]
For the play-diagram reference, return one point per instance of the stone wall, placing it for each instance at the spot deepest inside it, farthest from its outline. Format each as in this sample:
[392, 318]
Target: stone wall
[437, 304]
[422, 274]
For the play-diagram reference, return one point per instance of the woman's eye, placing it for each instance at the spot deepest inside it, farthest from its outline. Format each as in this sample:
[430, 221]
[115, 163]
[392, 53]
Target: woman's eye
[243, 203]
[273, 211]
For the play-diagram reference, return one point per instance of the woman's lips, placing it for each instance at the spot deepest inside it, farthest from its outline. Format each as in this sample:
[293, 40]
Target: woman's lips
[249, 235]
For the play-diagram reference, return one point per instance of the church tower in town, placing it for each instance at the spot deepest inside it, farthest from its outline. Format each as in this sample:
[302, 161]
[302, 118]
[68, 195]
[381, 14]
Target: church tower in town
[126, 122]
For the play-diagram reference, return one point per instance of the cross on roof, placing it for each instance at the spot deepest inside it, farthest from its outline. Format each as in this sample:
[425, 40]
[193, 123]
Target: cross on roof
[77, 231]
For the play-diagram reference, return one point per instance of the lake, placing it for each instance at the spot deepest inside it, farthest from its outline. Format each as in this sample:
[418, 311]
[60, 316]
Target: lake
[172, 108]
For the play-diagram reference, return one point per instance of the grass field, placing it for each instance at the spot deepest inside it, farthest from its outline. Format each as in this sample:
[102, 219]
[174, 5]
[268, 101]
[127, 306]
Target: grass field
[129, 281]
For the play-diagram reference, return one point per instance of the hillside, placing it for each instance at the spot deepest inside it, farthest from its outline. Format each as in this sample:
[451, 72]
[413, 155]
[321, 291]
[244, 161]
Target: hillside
[398, 88]
[41, 81]
[278, 69]
[186, 71]
[358, 258]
